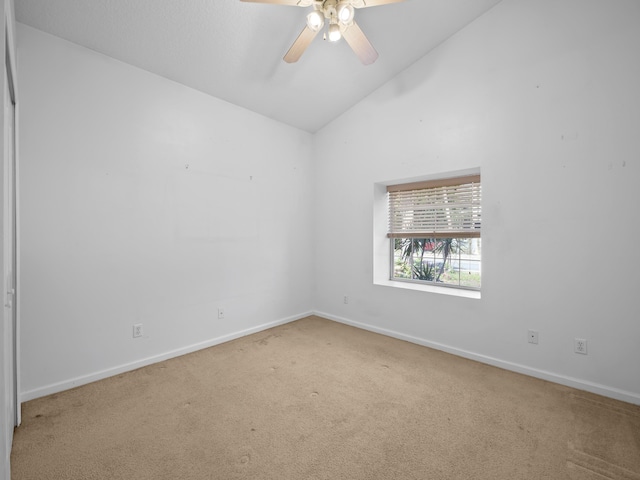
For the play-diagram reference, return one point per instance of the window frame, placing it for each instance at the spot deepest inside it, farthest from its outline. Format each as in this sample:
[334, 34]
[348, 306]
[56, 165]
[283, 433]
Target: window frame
[404, 221]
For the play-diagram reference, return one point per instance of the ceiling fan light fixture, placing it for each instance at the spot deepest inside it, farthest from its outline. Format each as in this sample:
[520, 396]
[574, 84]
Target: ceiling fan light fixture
[315, 20]
[345, 13]
[339, 14]
[334, 32]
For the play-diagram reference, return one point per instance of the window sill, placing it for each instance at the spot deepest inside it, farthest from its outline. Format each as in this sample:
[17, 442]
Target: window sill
[456, 292]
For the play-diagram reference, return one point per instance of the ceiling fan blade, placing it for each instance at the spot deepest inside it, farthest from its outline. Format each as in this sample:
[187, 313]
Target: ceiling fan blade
[360, 44]
[294, 3]
[300, 45]
[372, 3]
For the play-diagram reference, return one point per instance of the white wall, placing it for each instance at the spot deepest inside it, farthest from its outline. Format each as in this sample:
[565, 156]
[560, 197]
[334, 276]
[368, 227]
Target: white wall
[144, 201]
[543, 97]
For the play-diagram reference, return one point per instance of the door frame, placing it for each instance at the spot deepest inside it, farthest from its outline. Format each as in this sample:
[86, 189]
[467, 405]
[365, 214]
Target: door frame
[10, 65]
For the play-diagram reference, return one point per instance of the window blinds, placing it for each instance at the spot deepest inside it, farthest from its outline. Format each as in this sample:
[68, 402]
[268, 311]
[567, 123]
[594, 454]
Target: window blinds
[443, 208]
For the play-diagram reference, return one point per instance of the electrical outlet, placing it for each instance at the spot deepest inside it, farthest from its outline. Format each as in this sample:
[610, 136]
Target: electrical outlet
[346, 299]
[533, 336]
[580, 346]
[137, 330]
[220, 313]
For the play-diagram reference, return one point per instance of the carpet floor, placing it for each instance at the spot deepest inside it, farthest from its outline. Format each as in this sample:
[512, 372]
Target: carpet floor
[315, 399]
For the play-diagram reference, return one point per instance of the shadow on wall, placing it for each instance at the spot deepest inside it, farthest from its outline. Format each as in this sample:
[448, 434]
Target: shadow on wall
[405, 83]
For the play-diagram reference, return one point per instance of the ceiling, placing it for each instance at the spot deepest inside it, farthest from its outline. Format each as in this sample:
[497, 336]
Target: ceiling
[233, 50]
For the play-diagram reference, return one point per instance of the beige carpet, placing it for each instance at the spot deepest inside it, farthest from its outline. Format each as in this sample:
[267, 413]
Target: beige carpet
[316, 399]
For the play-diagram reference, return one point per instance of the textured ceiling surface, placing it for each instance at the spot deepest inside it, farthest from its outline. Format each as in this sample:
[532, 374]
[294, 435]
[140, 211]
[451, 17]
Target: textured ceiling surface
[233, 50]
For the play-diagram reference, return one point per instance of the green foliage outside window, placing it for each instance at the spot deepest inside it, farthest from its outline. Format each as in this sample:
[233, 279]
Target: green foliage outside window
[444, 261]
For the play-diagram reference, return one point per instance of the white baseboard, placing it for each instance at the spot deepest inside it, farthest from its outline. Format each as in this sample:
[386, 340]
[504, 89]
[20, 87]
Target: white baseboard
[599, 389]
[110, 372]
[577, 383]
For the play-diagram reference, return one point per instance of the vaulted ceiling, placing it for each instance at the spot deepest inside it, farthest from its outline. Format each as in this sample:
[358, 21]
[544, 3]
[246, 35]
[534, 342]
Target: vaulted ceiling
[233, 50]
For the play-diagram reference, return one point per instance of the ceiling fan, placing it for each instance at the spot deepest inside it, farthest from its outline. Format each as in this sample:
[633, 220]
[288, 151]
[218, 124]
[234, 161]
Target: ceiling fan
[340, 15]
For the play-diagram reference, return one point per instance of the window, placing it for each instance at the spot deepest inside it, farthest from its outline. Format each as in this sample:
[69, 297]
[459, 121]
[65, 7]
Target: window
[434, 227]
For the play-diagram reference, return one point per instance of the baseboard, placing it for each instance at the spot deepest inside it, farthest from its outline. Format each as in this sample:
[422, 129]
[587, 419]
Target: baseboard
[110, 372]
[577, 383]
[599, 389]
